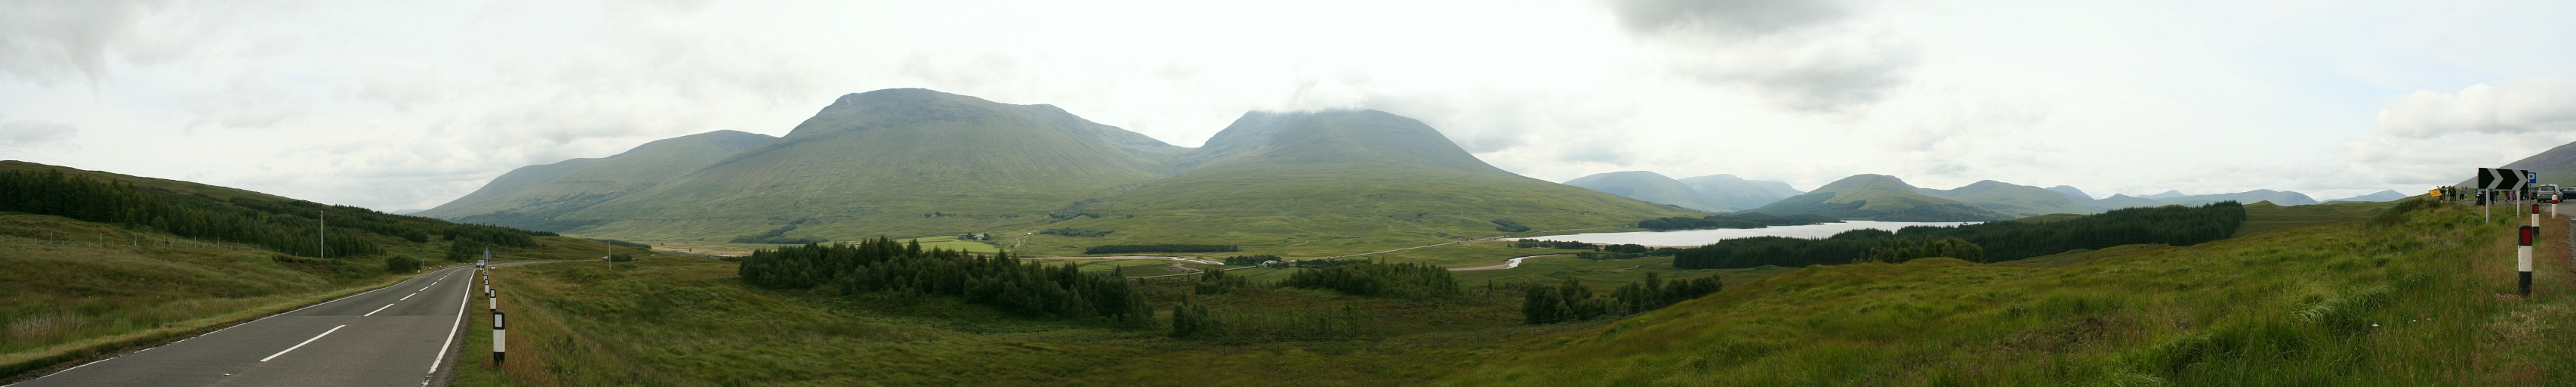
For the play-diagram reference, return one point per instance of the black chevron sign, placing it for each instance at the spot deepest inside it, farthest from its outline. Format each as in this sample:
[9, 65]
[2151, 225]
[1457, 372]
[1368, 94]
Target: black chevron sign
[2501, 179]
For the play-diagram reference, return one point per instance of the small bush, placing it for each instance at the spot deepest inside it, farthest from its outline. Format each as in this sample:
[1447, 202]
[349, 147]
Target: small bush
[401, 264]
[1214, 281]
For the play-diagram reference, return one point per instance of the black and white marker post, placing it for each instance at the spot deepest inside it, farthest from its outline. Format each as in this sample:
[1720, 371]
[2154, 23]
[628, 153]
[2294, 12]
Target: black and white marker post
[500, 339]
[2522, 257]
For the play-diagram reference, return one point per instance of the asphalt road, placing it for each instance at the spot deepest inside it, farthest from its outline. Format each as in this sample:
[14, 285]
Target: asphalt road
[393, 336]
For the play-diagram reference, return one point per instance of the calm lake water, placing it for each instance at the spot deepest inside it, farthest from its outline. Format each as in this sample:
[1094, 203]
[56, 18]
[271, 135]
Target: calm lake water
[1702, 237]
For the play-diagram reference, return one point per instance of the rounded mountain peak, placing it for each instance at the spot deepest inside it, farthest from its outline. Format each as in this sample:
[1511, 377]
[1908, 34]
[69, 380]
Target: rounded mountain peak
[1333, 137]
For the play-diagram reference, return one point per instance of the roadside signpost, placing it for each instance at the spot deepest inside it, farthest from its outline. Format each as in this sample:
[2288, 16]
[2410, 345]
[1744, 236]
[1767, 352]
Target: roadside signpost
[2522, 257]
[2493, 180]
[500, 340]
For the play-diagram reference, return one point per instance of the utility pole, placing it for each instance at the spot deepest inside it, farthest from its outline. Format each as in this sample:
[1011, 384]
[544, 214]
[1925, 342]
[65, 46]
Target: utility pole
[322, 234]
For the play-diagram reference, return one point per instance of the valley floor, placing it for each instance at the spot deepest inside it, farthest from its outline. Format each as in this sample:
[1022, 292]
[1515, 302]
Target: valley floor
[2425, 301]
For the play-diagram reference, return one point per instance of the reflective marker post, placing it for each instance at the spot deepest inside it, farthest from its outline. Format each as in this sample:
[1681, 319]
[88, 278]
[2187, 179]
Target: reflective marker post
[499, 339]
[2522, 257]
[2535, 214]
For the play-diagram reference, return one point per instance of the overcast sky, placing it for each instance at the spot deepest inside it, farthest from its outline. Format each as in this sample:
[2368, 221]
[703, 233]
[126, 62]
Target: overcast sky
[406, 105]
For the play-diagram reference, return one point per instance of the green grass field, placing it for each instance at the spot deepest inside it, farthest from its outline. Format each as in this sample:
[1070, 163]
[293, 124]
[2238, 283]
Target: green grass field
[2292, 306]
[2265, 216]
[687, 321]
[2424, 302]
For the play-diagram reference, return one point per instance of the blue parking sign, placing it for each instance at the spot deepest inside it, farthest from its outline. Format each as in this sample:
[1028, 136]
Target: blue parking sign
[2531, 177]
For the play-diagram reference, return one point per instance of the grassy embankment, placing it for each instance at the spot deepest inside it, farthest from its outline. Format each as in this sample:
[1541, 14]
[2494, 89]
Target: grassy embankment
[2425, 301]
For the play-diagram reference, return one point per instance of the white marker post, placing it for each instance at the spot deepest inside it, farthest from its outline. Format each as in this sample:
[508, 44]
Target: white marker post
[500, 340]
[2522, 257]
[494, 299]
[2535, 214]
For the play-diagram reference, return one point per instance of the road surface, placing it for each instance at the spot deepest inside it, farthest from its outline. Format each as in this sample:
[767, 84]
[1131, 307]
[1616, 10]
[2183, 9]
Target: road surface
[392, 336]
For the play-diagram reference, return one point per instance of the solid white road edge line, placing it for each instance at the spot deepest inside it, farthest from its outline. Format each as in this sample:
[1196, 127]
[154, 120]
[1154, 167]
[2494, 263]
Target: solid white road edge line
[462, 298]
[301, 345]
[378, 309]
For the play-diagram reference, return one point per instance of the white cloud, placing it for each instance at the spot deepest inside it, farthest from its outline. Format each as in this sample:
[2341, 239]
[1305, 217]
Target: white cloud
[2521, 106]
[405, 105]
[1806, 56]
[48, 41]
[32, 133]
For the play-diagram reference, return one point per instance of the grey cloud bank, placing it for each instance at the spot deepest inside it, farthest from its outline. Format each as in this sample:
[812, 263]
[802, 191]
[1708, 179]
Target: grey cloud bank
[408, 105]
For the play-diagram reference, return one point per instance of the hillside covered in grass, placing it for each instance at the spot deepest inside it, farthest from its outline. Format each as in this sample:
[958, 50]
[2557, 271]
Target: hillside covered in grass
[2424, 298]
[1351, 176]
[902, 162]
[912, 163]
[2420, 297]
[530, 197]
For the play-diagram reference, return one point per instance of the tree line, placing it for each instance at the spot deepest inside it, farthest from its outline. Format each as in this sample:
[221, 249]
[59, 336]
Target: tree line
[286, 227]
[1405, 280]
[1735, 220]
[1572, 301]
[1251, 260]
[1994, 241]
[1901, 249]
[1001, 281]
[1538, 243]
[1123, 249]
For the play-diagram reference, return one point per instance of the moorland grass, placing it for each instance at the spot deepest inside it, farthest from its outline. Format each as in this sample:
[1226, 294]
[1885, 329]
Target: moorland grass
[2424, 302]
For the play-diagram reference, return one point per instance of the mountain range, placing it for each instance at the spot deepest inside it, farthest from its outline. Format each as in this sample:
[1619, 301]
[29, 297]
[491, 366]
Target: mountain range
[1654, 187]
[912, 162]
[1885, 198]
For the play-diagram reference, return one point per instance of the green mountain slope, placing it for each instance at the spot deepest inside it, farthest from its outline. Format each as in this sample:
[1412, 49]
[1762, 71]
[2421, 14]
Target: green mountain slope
[2079, 197]
[1741, 193]
[1881, 198]
[2008, 198]
[893, 162]
[530, 197]
[1652, 187]
[2381, 196]
[1343, 177]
